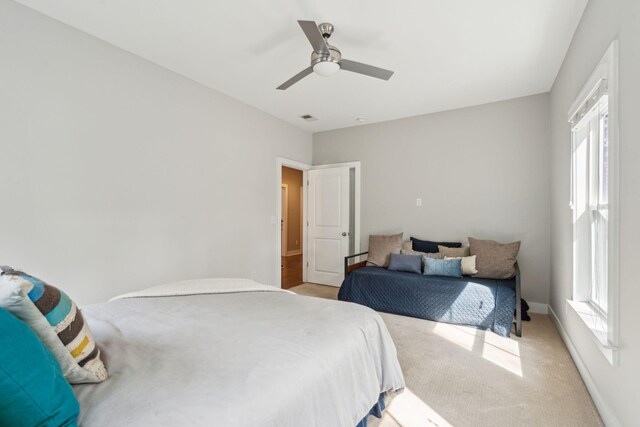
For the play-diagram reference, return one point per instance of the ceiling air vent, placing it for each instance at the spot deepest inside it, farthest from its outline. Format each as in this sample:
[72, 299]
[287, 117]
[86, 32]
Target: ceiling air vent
[308, 117]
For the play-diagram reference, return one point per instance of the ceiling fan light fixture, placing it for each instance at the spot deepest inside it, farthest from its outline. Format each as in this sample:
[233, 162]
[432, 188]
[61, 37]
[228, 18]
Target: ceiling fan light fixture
[326, 68]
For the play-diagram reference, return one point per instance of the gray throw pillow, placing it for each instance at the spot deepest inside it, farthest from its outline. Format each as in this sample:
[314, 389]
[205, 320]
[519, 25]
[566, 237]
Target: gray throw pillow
[494, 260]
[422, 254]
[381, 246]
[407, 263]
[429, 255]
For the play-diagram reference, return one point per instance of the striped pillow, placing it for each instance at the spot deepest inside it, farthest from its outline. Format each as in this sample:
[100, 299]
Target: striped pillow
[57, 321]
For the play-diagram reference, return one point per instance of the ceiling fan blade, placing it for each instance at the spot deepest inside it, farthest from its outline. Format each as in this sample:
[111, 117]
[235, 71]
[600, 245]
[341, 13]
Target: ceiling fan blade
[312, 32]
[367, 70]
[302, 74]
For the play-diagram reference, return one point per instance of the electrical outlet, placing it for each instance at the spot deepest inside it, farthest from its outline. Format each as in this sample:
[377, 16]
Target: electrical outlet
[418, 201]
[253, 275]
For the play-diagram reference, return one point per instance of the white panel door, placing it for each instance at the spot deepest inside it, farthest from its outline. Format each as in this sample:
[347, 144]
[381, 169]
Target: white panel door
[328, 231]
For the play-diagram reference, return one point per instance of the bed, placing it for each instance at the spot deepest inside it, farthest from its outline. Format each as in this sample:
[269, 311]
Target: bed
[232, 352]
[482, 303]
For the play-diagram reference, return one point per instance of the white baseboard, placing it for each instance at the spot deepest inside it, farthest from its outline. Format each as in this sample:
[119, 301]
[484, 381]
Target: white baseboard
[538, 307]
[296, 252]
[606, 414]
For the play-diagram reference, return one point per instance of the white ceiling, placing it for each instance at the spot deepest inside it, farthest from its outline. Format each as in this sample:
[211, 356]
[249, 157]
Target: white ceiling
[445, 54]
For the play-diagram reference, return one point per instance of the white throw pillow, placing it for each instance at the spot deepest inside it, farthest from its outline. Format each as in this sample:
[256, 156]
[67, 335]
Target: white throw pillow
[468, 264]
[57, 321]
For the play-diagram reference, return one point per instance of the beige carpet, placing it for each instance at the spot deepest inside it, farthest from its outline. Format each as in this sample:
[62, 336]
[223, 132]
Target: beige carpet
[460, 376]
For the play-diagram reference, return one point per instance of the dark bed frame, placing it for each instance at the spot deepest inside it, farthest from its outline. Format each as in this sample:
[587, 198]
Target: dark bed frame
[349, 267]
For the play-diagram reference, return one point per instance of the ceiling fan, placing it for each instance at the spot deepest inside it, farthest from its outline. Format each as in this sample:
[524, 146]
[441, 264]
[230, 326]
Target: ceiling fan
[327, 60]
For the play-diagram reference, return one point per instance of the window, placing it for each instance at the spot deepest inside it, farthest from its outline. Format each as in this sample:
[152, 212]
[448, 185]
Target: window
[593, 202]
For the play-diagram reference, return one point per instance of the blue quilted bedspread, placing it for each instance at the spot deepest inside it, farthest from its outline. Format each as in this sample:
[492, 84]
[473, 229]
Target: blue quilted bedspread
[482, 303]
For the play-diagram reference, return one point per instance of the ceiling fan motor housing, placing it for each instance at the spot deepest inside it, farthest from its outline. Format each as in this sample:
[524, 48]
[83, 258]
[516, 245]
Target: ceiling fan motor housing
[326, 29]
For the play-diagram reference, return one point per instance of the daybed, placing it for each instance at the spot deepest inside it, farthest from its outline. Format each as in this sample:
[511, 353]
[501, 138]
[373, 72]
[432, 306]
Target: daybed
[481, 303]
[236, 353]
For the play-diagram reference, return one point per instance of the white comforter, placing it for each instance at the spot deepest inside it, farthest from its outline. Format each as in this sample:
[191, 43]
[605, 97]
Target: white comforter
[233, 352]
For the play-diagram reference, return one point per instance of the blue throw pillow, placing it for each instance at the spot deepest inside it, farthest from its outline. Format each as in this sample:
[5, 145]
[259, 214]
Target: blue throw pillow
[408, 263]
[442, 267]
[431, 247]
[34, 390]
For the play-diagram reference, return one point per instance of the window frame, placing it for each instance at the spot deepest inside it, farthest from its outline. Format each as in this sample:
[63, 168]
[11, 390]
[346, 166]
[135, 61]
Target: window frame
[602, 324]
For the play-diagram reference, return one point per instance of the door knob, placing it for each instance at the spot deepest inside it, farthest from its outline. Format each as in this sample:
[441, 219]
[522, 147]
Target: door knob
[344, 233]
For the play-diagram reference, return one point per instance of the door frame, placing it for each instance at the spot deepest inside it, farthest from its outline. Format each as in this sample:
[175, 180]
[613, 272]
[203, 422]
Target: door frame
[280, 162]
[284, 247]
[304, 167]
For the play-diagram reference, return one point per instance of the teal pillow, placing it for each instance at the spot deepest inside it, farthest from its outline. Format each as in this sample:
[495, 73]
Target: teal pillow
[442, 267]
[33, 388]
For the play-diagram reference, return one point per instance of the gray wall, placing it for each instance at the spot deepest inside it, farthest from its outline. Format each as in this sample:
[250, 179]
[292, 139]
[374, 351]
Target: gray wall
[118, 174]
[481, 171]
[615, 389]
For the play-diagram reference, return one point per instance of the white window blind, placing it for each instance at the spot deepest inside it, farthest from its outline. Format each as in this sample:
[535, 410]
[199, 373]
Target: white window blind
[590, 102]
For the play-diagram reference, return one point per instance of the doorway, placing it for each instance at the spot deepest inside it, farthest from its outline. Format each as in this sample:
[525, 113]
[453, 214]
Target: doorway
[291, 227]
[321, 259]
